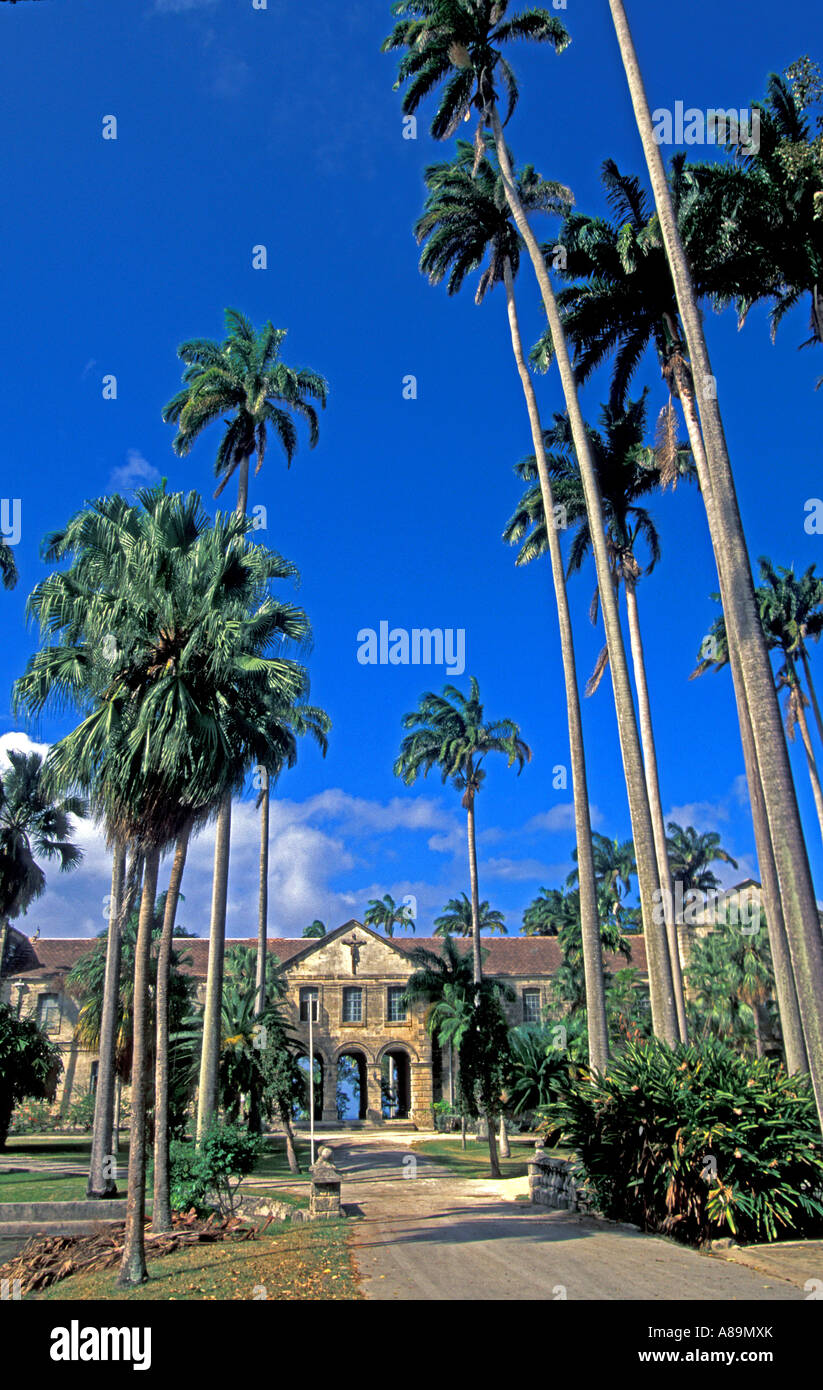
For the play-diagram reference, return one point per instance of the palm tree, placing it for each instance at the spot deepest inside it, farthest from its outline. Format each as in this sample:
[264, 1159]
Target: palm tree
[242, 376]
[756, 222]
[386, 913]
[8, 565]
[448, 733]
[731, 977]
[751, 670]
[467, 220]
[186, 710]
[692, 853]
[34, 824]
[459, 42]
[550, 912]
[621, 300]
[315, 928]
[456, 918]
[627, 473]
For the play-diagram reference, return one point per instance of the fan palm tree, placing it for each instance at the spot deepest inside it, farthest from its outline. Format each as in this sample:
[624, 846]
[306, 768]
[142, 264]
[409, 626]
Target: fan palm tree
[386, 913]
[467, 221]
[691, 855]
[456, 918]
[751, 669]
[448, 732]
[459, 43]
[731, 978]
[244, 377]
[627, 473]
[184, 714]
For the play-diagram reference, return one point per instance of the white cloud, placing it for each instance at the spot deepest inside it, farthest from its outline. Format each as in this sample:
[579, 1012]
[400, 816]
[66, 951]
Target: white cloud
[518, 870]
[135, 472]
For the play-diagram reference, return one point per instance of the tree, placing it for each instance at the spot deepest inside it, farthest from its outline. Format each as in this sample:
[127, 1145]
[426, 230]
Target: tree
[549, 912]
[614, 866]
[467, 222]
[756, 222]
[730, 974]
[8, 565]
[691, 854]
[765, 749]
[242, 376]
[34, 824]
[627, 473]
[386, 913]
[30, 1066]
[459, 42]
[315, 928]
[187, 709]
[457, 918]
[620, 299]
[448, 733]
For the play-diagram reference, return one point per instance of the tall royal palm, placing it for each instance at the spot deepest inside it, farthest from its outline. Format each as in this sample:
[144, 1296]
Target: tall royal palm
[692, 854]
[751, 668]
[459, 43]
[627, 472]
[448, 732]
[456, 918]
[242, 378]
[467, 223]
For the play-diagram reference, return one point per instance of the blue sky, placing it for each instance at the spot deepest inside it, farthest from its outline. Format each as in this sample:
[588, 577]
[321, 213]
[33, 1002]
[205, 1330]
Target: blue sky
[239, 127]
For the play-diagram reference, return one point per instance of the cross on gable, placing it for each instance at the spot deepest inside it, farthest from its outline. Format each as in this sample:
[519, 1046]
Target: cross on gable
[353, 944]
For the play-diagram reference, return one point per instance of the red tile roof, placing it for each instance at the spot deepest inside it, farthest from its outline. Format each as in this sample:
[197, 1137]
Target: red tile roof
[514, 956]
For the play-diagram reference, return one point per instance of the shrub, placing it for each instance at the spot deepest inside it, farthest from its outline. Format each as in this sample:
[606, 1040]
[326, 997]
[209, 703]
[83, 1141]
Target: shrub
[34, 1117]
[81, 1113]
[30, 1065]
[206, 1176]
[697, 1141]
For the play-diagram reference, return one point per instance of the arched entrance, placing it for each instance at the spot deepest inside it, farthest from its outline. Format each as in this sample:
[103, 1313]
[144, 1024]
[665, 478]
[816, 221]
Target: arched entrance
[351, 1090]
[301, 1108]
[395, 1084]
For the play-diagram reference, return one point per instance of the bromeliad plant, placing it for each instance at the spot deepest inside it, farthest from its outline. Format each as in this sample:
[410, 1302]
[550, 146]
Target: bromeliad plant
[697, 1142]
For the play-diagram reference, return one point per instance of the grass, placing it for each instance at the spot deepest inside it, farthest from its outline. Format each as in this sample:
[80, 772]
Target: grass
[305, 1262]
[40, 1187]
[474, 1162]
[67, 1148]
[274, 1164]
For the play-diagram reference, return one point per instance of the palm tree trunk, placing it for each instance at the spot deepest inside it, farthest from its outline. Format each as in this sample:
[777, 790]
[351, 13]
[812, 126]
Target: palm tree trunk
[740, 607]
[804, 657]
[475, 891]
[243, 487]
[758, 1031]
[263, 899]
[161, 1208]
[664, 1012]
[210, 1055]
[133, 1264]
[503, 1138]
[598, 1034]
[101, 1181]
[794, 1044]
[494, 1163]
[124, 891]
[814, 775]
[655, 804]
[115, 1133]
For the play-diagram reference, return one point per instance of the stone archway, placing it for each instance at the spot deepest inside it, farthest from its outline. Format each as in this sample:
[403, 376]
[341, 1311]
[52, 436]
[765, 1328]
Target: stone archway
[395, 1083]
[320, 1073]
[351, 1084]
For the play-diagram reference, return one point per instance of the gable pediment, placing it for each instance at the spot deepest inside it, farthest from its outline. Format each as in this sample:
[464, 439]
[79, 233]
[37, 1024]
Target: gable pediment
[352, 951]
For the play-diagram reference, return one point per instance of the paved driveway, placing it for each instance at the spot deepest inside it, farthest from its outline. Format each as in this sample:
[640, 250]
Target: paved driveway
[440, 1238]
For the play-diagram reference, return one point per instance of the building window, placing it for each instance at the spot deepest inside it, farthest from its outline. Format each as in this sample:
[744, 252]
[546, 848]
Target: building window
[353, 1005]
[48, 1013]
[95, 1070]
[531, 1005]
[308, 997]
[396, 1008]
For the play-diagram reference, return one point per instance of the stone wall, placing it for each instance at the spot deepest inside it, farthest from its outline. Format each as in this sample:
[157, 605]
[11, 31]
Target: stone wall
[551, 1184]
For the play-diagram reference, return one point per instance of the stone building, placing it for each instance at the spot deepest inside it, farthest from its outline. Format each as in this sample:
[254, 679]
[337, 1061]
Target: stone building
[352, 978]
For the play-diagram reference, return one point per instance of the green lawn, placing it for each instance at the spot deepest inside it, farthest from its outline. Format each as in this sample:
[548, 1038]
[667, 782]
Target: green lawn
[474, 1162]
[40, 1187]
[66, 1148]
[274, 1164]
[293, 1262]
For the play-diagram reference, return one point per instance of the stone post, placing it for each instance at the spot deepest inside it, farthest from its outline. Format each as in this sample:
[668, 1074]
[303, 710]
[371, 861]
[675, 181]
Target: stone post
[325, 1187]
